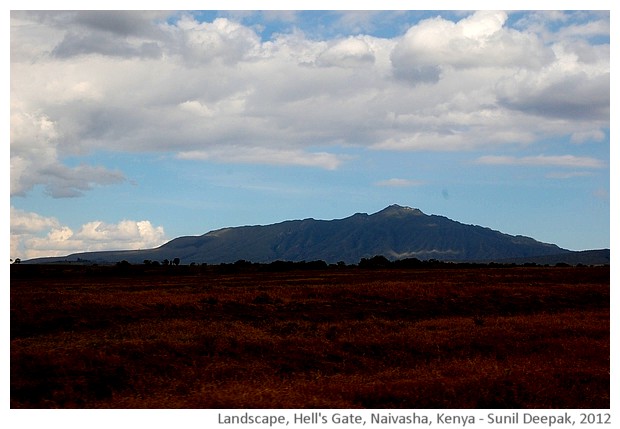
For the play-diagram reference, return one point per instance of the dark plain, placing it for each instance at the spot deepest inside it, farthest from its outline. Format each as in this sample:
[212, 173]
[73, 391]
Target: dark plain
[346, 337]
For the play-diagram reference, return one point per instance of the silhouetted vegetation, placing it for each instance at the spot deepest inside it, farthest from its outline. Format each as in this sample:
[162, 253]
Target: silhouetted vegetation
[375, 262]
[378, 261]
[303, 335]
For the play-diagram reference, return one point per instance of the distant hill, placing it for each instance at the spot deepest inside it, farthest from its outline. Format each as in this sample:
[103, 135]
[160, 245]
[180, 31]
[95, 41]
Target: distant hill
[395, 232]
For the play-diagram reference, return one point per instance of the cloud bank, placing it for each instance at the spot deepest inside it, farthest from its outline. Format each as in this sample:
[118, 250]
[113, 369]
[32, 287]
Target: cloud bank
[33, 236]
[157, 82]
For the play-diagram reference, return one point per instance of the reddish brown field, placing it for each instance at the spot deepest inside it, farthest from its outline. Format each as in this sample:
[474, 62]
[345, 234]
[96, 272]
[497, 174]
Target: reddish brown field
[178, 337]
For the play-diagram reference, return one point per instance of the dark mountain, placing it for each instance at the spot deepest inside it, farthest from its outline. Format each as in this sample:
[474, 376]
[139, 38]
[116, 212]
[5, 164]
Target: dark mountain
[395, 232]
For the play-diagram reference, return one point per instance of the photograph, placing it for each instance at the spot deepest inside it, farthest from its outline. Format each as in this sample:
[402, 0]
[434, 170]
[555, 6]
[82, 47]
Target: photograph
[312, 217]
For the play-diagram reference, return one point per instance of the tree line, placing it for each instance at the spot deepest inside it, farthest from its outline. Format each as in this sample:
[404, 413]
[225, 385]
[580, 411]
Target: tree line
[375, 262]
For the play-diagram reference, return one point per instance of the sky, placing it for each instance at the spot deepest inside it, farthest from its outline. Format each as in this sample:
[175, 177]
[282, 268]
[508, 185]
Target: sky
[131, 128]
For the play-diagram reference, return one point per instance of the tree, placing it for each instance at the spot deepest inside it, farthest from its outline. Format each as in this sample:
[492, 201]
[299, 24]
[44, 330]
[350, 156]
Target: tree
[378, 261]
[176, 261]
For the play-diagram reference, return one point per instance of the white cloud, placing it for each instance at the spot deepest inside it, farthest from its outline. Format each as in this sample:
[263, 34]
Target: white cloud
[479, 40]
[567, 88]
[567, 174]
[543, 160]
[587, 135]
[88, 82]
[23, 222]
[33, 235]
[359, 21]
[575, 26]
[221, 40]
[590, 29]
[35, 160]
[350, 52]
[398, 183]
[260, 155]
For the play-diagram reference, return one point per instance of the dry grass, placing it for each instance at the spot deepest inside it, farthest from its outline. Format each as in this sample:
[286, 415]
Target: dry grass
[470, 338]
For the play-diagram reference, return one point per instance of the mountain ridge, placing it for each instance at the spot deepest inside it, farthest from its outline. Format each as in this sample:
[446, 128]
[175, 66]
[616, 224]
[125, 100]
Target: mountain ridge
[396, 232]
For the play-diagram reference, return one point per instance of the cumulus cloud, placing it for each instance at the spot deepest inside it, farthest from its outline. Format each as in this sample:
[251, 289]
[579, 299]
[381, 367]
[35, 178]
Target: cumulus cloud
[35, 161]
[33, 235]
[474, 41]
[23, 222]
[222, 40]
[168, 83]
[567, 89]
[351, 52]
[77, 44]
[111, 33]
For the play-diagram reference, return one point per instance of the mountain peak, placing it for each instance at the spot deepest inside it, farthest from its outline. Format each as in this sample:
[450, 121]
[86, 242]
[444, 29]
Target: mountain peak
[397, 210]
[395, 232]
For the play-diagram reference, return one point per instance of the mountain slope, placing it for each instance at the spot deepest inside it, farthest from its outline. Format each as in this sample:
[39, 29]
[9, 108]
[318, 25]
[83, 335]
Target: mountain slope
[395, 232]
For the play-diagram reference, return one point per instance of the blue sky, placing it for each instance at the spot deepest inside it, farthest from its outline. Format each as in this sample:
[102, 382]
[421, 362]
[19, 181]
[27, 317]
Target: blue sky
[129, 129]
